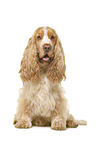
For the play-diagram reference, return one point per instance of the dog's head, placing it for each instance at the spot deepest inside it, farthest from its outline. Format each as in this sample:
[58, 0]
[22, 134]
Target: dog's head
[43, 49]
[45, 40]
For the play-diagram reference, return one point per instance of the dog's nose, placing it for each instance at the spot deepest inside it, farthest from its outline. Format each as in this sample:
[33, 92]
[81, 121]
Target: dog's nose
[47, 47]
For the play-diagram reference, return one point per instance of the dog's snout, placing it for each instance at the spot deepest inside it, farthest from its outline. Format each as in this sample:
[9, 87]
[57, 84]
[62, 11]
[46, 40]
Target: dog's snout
[47, 47]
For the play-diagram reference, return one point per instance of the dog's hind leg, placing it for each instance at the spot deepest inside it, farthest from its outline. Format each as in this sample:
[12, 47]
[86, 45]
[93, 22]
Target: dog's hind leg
[72, 123]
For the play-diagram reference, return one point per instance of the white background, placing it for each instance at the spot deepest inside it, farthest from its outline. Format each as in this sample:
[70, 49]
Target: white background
[75, 23]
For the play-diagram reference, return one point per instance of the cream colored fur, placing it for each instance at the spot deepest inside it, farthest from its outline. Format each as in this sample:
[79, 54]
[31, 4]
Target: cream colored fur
[41, 98]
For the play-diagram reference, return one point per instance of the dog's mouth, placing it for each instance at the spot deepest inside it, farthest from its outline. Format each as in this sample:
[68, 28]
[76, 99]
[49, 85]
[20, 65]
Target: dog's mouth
[45, 58]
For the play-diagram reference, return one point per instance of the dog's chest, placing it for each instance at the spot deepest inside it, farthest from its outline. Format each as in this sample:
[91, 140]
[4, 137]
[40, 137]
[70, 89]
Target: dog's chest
[43, 98]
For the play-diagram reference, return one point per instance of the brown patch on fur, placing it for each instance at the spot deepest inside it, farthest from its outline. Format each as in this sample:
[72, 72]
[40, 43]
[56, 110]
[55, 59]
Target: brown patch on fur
[30, 69]
[39, 32]
[57, 68]
[52, 34]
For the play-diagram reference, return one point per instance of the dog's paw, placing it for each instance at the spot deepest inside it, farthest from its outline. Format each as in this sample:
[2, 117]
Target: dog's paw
[58, 124]
[23, 124]
[72, 124]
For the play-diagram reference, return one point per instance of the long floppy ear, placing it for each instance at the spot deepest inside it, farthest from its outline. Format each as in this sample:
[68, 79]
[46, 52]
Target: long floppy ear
[57, 69]
[29, 67]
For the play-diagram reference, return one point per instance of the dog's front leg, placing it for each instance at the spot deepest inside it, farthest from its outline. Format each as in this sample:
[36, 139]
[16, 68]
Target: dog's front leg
[58, 121]
[23, 116]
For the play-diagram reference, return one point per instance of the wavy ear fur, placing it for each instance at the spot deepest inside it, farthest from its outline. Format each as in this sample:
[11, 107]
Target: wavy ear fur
[29, 67]
[57, 69]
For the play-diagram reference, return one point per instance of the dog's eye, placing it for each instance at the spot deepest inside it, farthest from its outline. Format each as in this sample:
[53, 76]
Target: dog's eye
[39, 37]
[52, 37]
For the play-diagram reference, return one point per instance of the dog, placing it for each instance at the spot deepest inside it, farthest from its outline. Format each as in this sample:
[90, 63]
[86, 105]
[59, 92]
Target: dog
[42, 100]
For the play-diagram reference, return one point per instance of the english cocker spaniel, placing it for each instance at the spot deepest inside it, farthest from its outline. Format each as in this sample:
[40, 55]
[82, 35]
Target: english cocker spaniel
[42, 101]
